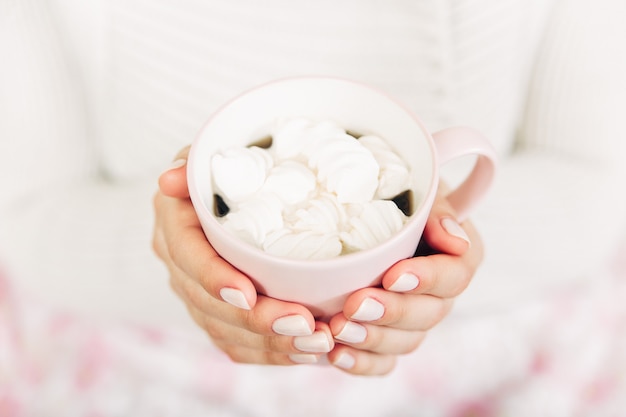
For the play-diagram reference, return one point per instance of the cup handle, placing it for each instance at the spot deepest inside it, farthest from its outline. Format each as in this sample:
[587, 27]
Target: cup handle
[456, 142]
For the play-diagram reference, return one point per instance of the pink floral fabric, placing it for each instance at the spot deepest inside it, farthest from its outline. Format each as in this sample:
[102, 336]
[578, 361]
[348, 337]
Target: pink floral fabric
[564, 355]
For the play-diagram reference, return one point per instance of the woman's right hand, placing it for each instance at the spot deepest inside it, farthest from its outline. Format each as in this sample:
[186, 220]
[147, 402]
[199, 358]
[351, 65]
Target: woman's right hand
[248, 327]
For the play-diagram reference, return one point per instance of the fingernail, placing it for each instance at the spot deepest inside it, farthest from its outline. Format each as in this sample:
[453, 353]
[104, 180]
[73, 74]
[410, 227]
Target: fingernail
[234, 297]
[369, 310]
[177, 163]
[352, 333]
[317, 342]
[303, 358]
[405, 282]
[293, 325]
[344, 361]
[452, 227]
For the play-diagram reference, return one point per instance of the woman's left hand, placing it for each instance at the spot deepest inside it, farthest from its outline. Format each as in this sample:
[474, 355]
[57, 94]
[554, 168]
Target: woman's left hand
[378, 324]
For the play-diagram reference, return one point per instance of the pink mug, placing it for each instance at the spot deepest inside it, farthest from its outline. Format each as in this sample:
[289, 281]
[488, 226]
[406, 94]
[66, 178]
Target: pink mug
[323, 285]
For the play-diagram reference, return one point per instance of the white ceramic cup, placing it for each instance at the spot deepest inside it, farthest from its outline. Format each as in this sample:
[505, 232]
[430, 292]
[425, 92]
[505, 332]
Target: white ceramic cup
[323, 285]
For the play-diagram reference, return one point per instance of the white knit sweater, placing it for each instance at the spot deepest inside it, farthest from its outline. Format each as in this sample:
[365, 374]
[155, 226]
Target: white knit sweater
[96, 97]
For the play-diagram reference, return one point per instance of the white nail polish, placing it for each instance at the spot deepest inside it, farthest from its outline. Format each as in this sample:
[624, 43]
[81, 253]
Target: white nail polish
[294, 325]
[405, 282]
[177, 163]
[452, 227]
[352, 333]
[234, 297]
[344, 361]
[316, 343]
[369, 310]
[303, 358]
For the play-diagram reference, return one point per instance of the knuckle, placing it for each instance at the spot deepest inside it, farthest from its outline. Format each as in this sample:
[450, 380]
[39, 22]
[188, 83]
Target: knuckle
[192, 293]
[444, 309]
[156, 201]
[463, 279]
[196, 296]
[158, 246]
[479, 248]
[374, 341]
[440, 311]
[378, 365]
[390, 366]
[234, 353]
[273, 358]
[439, 315]
[215, 332]
[413, 344]
[174, 249]
[175, 285]
[273, 344]
[428, 281]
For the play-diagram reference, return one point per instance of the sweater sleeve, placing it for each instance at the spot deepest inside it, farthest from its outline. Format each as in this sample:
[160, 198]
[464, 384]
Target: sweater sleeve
[558, 208]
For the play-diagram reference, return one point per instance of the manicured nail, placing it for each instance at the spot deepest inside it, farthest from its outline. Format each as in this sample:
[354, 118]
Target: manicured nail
[293, 325]
[344, 361]
[352, 333]
[369, 310]
[177, 163]
[234, 297]
[303, 358]
[317, 343]
[452, 227]
[405, 282]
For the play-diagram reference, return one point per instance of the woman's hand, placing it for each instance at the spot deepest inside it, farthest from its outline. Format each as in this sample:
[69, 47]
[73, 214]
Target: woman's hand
[250, 328]
[378, 324]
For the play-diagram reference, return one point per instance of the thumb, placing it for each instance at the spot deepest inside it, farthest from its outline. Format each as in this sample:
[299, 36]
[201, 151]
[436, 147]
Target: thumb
[443, 232]
[173, 181]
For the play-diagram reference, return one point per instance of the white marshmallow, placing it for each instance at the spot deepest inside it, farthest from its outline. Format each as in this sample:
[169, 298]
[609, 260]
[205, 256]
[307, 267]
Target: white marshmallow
[254, 219]
[323, 214]
[303, 245]
[312, 194]
[296, 138]
[346, 168]
[239, 172]
[394, 176]
[370, 224]
[291, 181]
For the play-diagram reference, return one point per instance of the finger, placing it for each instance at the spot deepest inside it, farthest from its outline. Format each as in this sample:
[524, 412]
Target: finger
[320, 341]
[268, 317]
[188, 248]
[360, 362]
[442, 275]
[400, 311]
[159, 245]
[173, 181]
[442, 232]
[241, 354]
[439, 275]
[245, 355]
[377, 339]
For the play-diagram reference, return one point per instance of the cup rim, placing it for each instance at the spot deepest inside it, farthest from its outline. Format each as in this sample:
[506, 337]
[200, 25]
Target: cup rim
[248, 250]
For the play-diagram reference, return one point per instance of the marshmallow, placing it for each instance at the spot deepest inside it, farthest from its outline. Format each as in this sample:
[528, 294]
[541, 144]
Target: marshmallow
[323, 214]
[394, 177]
[297, 138]
[293, 182]
[303, 245]
[254, 219]
[346, 168]
[370, 224]
[315, 193]
[239, 172]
